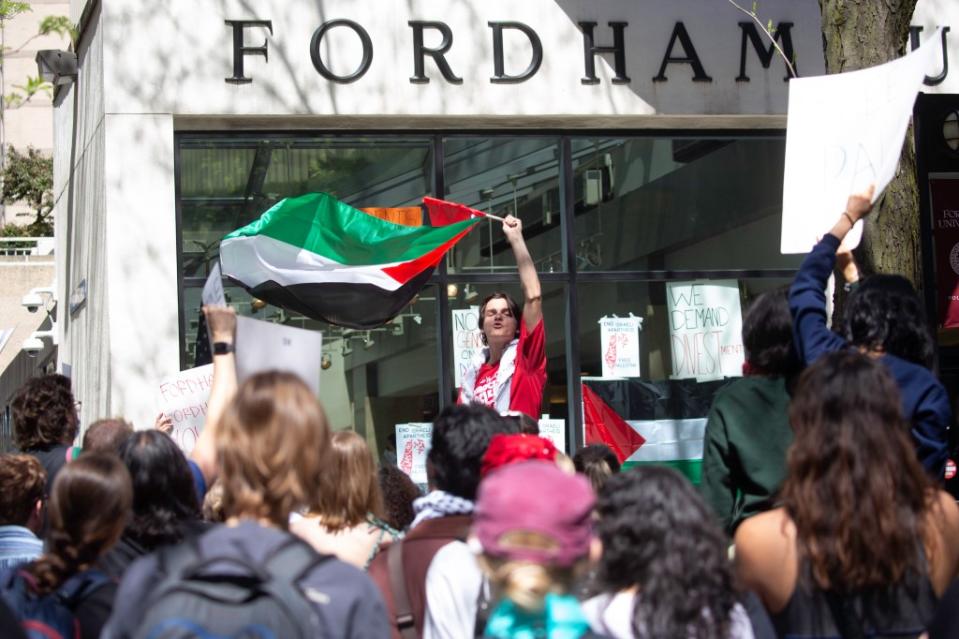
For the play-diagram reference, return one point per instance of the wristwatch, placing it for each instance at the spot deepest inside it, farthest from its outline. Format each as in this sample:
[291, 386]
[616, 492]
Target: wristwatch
[222, 348]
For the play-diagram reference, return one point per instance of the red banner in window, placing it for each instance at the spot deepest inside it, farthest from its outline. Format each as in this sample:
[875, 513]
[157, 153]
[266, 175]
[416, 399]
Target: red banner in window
[944, 198]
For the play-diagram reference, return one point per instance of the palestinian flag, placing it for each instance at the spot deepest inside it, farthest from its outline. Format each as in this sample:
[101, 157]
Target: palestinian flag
[323, 258]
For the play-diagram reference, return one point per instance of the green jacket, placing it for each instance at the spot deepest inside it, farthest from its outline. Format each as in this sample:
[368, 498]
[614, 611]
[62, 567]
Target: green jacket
[744, 452]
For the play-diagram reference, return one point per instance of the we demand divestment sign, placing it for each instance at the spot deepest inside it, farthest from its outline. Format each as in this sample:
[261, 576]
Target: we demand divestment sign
[705, 329]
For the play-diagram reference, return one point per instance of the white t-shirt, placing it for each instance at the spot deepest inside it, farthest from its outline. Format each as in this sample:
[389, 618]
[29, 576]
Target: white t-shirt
[612, 616]
[453, 583]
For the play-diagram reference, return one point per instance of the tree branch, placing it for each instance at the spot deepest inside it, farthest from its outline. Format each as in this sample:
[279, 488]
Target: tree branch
[752, 14]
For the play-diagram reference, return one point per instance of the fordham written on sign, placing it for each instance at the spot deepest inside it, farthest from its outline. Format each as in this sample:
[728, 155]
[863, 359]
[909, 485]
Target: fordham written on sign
[183, 398]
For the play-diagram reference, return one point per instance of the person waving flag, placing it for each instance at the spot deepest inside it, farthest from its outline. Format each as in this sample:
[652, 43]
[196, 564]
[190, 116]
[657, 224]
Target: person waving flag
[318, 256]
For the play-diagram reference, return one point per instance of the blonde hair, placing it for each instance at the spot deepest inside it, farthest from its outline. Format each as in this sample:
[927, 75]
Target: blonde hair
[527, 583]
[348, 490]
[271, 444]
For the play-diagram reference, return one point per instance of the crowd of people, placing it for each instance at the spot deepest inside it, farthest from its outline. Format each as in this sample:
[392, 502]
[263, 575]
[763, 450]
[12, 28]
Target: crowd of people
[820, 513]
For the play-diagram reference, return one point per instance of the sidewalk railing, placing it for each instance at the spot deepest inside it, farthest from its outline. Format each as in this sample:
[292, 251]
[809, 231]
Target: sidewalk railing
[26, 246]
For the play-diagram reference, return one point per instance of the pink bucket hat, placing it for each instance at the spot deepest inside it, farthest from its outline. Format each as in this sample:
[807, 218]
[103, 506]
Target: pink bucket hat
[533, 511]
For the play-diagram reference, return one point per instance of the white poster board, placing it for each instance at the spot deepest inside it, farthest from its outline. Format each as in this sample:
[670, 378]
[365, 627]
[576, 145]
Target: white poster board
[705, 329]
[183, 398]
[554, 430]
[263, 346]
[619, 345]
[844, 132]
[213, 294]
[467, 340]
[412, 445]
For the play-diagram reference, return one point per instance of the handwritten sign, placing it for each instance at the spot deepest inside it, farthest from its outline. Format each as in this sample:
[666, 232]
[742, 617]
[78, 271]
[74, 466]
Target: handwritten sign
[844, 132]
[619, 345]
[467, 340]
[554, 430]
[183, 398]
[412, 445]
[705, 329]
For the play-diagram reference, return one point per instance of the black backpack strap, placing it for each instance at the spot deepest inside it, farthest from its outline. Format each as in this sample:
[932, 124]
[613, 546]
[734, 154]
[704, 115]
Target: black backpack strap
[81, 585]
[405, 622]
[285, 567]
[482, 609]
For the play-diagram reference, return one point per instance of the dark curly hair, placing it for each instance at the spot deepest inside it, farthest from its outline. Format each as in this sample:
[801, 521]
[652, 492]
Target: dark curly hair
[44, 413]
[163, 494]
[885, 313]
[854, 488]
[399, 491]
[88, 508]
[659, 535]
[768, 335]
[461, 435]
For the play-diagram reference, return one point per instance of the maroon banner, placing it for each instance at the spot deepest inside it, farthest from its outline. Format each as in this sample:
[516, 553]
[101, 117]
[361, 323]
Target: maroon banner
[944, 199]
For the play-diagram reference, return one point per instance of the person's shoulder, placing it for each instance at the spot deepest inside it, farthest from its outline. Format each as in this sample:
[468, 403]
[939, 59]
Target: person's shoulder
[944, 515]
[770, 532]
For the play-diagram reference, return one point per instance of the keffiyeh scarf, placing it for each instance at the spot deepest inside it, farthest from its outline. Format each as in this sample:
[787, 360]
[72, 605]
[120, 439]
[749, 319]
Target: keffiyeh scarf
[438, 504]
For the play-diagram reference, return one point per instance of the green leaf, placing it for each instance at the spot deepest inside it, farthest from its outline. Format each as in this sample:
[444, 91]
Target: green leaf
[59, 25]
[28, 177]
[10, 9]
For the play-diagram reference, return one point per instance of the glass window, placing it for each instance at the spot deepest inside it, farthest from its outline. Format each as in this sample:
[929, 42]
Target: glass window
[505, 176]
[660, 375]
[678, 203]
[370, 380]
[226, 183]
[465, 300]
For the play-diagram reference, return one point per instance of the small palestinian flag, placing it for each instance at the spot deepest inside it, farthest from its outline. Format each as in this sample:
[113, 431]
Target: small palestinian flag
[323, 258]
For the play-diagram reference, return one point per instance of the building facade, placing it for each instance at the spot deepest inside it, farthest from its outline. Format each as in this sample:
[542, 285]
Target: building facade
[641, 143]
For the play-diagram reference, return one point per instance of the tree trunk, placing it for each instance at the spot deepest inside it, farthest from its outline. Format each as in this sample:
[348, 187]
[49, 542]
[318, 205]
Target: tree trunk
[864, 33]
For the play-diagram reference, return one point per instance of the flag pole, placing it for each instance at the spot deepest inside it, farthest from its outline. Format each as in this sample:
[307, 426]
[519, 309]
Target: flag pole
[489, 215]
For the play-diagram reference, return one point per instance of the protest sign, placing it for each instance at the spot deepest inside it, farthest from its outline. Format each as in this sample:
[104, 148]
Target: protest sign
[183, 398]
[844, 132]
[705, 329]
[412, 445]
[263, 346]
[619, 345]
[467, 340]
[554, 430]
[213, 294]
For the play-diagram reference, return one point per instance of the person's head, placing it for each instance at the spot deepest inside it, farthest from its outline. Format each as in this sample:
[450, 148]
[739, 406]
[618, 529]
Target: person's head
[106, 435]
[398, 492]
[272, 443]
[768, 335]
[527, 425]
[461, 435]
[499, 318]
[597, 462]
[22, 484]
[163, 493]
[885, 314]
[506, 449]
[532, 544]
[213, 504]
[854, 487]
[348, 490]
[89, 507]
[660, 537]
[44, 413]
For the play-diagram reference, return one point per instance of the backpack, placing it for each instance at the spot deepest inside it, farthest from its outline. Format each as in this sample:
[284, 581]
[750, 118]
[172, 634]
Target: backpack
[48, 616]
[230, 595]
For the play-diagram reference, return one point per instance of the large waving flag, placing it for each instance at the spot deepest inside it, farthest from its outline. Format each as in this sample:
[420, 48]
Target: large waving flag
[329, 261]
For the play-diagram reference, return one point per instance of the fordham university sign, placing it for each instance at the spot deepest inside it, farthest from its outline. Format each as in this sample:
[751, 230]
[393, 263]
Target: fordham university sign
[611, 38]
